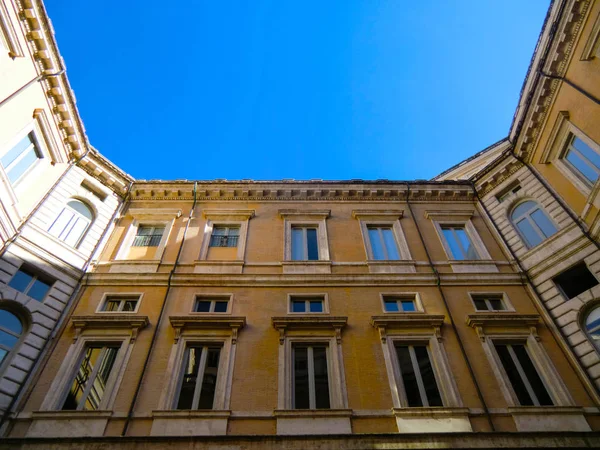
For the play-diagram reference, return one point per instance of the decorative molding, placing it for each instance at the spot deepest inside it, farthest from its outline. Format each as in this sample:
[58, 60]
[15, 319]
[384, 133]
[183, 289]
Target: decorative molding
[591, 48]
[373, 213]
[238, 214]
[112, 321]
[407, 321]
[482, 321]
[207, 322]
[443, 214]
[311, 322]
[562, 118]
[294, 213]
[155, 213]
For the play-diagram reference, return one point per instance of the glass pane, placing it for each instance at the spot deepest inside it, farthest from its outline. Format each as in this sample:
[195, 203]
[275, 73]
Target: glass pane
[301, 389]
[81, 208]
[234, 232]
[14, 152]
[298, 306]
[321, 379]
[427, 376]
[313, 246]
[3, 354]
[513, 375]
[8, 340]
[587, 151]
[408, 376]
[466, 243]
[219, 231]
[408, 306]
[76, 232]
[99, 384]
[130, 305]
[592, 321]
[9, 321]
[542, 221]
[190, 374]
[221, 307]
[297, 244]
[144, 231]
[17, 170]
[376, 244]
[582, 166]
[21, 280]
[209, 381]
[202, 306]
[531, 236]
[82, 377]
[453, 244]
[497, 304]
[391, 305]
[480, 304]
[39, 290]
[112, 305]
[532, 375]
[61, 223]
[522, 209]
[390, 244]
[316, 306]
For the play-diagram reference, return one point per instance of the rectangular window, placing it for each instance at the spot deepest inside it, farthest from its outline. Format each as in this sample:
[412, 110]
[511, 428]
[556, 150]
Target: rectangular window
[392, 303]
[305, 246]
[21, 157]
[90, 381]
[148, 236]
[224, 236]
[584, 160]
[311, 379]
[459, 243]
[575, 280]
[31, 283]
[523, 376]
[383, 243]
[118, 303]
[416, 371]
[199, 377]
[507, 193]
[307, 304]
[211, 304]
[489, 302]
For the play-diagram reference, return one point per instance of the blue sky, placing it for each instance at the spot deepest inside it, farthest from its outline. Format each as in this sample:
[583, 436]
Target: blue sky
[271, 89]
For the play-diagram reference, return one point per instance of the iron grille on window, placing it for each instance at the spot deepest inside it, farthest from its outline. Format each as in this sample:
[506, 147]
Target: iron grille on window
[148, 236]
[224, 237]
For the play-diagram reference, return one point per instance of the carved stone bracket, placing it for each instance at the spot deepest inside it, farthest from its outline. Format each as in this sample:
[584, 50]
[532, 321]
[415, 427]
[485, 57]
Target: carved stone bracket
[484, 323]
[232, 323]
[116, 321]
[404, 321]
[282, 324]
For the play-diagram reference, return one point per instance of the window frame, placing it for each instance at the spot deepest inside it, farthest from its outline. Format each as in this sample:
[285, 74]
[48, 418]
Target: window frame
[585, 313]
[528, 216]
[508, 307]
[23, 317]
[90, 222]
[35, 274]
[226, 236]
[213, 298]
[311, 375]
[8, 35]
[321, 296]
[106, 297]
[458, 218]
[384, 218]
[228, 218]
[314, 219]
[414, 296]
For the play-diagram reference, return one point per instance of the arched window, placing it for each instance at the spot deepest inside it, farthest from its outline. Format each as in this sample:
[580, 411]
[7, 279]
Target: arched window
[533, 223]
[72, 222]
[11, 329]
[592, 326]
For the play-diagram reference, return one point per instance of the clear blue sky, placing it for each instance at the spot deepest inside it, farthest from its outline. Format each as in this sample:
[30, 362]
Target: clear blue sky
[271, 89]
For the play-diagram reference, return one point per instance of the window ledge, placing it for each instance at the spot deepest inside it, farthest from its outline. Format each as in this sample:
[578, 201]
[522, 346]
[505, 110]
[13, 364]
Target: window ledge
[430, 412]
[207, 322]
[391, 266]
[314, 322]
[312, 413]
[524, 410]
[549, 418]
[134, 265]
[191, 414]
[303, 267]
[67, 415]
[218, 266]
[473, 266]
[112, 321]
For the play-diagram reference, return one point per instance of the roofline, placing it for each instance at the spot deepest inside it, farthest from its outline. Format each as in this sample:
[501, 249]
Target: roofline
[471, 158]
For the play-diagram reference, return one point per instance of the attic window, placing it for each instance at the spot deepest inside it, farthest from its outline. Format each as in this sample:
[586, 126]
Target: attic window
[575, 280]
[97, 192]
[508, 192]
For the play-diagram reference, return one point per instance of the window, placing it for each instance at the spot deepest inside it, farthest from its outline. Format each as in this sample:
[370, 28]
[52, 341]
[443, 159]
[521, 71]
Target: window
[72, 222]
[508, 192]
[199, 377]
[148, 236]
[21, 157]
[211, 304]
[582, 159]
[300, 304]
[575, 280]
[118, 303]
[522, 374]
[458, 242]
[592, 326]
[91, 379]
[311, 379]
[417, 375]
[224, 236]
[304, 244]
[31, 283]
[11, 329]
[489, 302]
[383, 243]
[399, 304]
[533, 224]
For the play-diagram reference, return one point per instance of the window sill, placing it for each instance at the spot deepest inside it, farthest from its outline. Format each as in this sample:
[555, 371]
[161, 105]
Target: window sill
[313, 421]
[68, 423]
[134, 266]
[391, 266]
[191, 413]
[312, 413]
[433, 420]
[306, 267]
[217, 266]
[189, 422]
[67, 415]
[425, 411]
[473, 266]
[549, 418]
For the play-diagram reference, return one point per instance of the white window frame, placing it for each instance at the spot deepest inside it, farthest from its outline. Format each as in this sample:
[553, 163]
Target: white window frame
[313, 219]
[458, 218]
[530, 219]
[213, 298]
[386, 219]
[8, 37]
[508, 307]
[90, 222]
[228, 218]
[124, 295]
[414, 296]
[324, 297]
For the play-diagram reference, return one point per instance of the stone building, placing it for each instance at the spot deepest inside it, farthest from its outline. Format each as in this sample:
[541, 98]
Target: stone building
[459, 312]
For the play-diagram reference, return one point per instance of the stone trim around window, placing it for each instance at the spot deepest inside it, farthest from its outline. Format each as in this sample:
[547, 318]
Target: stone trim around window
[315, 218]
[367, 217]
[414, 296]
[591, 49]
[509, 308]
[235, 217]
[228, 297]
[106, 296]
[8, 34]
[322, 296]
[423, 329]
